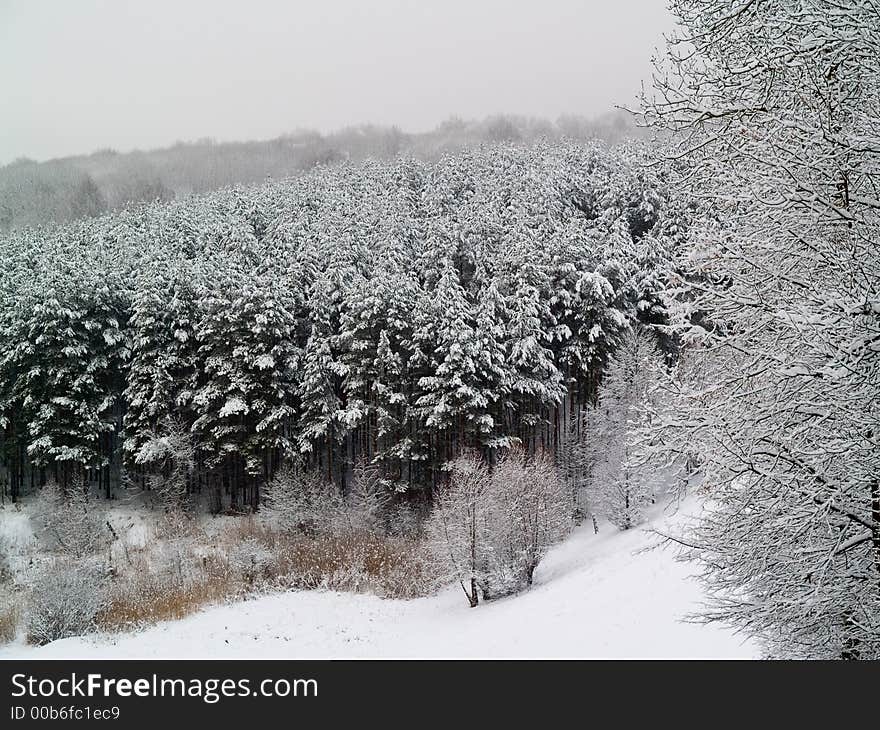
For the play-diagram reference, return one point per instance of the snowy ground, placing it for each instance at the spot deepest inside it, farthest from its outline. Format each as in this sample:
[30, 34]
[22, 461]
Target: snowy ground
[594, 596]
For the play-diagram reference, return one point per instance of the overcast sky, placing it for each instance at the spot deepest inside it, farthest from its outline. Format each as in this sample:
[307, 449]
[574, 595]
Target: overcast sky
[78, 76]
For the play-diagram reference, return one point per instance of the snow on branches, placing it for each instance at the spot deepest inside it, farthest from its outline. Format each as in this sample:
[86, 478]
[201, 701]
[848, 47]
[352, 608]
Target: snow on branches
[395, 311]
[490, 530]
[775, 107]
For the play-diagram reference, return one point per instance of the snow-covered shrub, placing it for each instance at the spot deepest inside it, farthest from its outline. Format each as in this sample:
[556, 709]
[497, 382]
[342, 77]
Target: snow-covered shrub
[366, 501]
[490, 531]
[64, 601]
[301, 500]
[405, 520]
[530, 510]
[69, 523]
[250, 559]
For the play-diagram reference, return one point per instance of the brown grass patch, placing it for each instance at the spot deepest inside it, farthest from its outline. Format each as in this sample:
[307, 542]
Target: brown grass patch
[150, 599]
[9, 618]
[391, 567]
[249, 555]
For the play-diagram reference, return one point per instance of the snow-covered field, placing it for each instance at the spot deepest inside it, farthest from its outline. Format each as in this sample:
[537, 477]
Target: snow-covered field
[598, 596]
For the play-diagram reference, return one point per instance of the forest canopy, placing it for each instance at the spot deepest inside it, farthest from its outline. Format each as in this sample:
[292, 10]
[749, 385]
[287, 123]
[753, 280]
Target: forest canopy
[394, 310]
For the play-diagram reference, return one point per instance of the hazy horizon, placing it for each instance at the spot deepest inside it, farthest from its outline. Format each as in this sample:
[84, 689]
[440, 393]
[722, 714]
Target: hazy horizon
[122, 75]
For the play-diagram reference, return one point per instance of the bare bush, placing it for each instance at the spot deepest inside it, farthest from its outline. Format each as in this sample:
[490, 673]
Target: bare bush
[175, 524]
[405, 520]
[366, 503]
[490, 531]
[69, 523]
[530, 511]
[249, 559]
[64, 601]
[301, 500]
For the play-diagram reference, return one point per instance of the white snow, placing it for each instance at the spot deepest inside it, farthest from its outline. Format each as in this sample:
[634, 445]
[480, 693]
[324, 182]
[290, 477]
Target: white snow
[595, 596]
[232, 406]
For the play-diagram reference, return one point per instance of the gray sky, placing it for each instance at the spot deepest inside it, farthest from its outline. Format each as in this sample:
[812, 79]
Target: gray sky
[78, 76]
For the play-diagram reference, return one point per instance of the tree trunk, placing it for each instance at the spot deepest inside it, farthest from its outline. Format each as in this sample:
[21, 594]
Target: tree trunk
[875, 530]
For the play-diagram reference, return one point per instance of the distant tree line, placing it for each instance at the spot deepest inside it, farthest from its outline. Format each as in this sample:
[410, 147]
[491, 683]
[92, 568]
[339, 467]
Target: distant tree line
[63, 190]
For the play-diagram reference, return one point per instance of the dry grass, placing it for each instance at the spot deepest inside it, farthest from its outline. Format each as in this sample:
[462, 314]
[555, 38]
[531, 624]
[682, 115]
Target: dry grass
[9, 618]
[160, 602]
[247, 556]
[152, 597]
[391, 567]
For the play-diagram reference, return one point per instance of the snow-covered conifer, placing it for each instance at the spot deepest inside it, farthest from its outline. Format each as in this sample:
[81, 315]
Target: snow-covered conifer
[622, 481]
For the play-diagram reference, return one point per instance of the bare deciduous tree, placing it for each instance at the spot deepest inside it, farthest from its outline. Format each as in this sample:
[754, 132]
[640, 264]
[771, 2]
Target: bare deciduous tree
[459, 528]
[531, 510]
[490, 531]
[776, 109]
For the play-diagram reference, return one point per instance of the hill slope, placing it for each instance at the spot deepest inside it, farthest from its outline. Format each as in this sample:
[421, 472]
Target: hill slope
[595, 596]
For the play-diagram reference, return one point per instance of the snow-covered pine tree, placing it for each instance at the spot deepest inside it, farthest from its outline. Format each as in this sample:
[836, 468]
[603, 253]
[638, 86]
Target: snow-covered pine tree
[597, 323]
[376, 325]
[243, 399]
[537, 384]
[621, 479]
[466, 377]
[161, 377]
[321, 373]
[66, 370]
